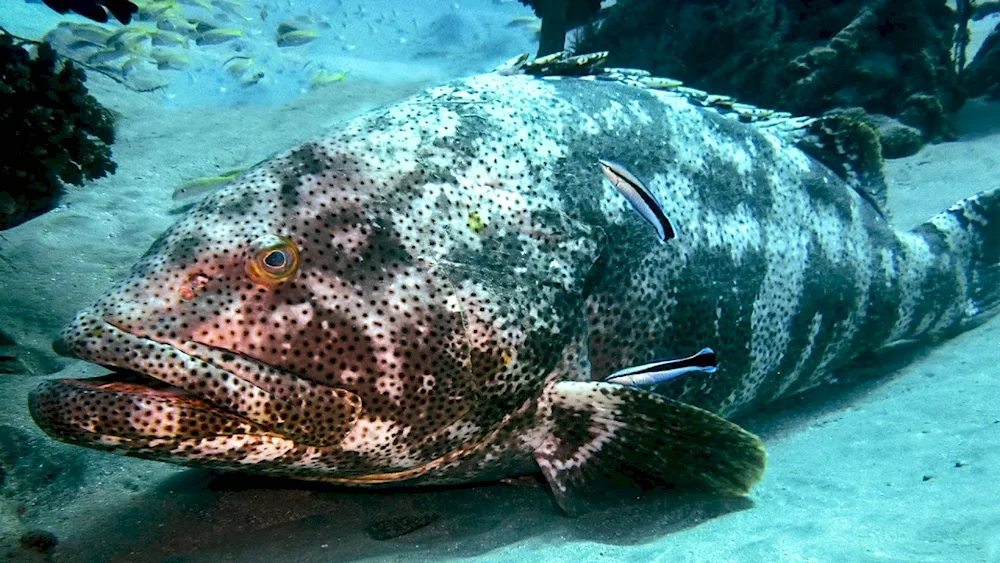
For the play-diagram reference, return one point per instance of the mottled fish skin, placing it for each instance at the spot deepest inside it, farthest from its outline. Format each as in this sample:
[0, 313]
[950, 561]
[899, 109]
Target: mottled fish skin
[417, 345]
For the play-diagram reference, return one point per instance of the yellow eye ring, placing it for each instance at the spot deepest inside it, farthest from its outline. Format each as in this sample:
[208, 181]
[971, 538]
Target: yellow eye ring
[275, 260]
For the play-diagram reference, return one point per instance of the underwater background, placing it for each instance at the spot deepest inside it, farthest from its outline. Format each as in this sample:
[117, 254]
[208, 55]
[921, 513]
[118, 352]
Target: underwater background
[901, 464]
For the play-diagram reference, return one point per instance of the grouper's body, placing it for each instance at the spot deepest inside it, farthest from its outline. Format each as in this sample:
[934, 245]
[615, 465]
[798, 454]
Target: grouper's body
[434, 292]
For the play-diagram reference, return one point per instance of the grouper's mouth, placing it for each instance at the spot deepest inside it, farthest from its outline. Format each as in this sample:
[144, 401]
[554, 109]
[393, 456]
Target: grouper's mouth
[130, 406]
[167, 394]
[127, 408]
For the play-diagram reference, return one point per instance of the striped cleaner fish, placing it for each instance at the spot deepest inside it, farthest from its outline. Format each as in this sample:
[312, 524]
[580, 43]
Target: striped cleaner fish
[662, 371]
[435, 292]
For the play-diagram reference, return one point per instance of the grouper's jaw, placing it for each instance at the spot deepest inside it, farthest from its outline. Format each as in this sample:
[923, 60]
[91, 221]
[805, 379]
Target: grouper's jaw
[161, 401]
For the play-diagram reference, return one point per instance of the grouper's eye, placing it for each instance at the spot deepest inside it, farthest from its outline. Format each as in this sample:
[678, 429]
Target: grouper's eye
[275, 260]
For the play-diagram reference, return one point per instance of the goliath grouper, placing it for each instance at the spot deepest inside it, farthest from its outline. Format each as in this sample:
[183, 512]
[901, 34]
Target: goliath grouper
[435, 292]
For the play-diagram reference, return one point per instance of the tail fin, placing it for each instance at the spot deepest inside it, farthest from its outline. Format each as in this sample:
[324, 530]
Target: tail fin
[951, 279]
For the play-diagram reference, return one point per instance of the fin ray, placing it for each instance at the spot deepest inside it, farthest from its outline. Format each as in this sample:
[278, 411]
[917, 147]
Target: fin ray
[609, 440]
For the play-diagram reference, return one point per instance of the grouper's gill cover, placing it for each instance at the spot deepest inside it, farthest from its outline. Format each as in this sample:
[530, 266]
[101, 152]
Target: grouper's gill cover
[432, 293]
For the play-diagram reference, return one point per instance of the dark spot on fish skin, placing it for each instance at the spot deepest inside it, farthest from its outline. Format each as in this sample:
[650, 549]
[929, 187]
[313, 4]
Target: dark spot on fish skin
[581, 183]
[938, 292]
[382, 250]
[720, 188]
[468, 129]
[596, 273]
[307, 160]
[762, 172]
[720, 183]
[828, 192]
[410, 185]
[936, 239]
[375, 256]
[828, 289]
[490, 263]
[570, 433]
[289, 194]
[184, 250]
[236, 205]
[884, 292]
[630, 327]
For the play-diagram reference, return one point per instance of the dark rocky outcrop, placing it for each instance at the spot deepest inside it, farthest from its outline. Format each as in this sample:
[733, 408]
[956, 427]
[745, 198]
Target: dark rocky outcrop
[890, 57]
[982, 76]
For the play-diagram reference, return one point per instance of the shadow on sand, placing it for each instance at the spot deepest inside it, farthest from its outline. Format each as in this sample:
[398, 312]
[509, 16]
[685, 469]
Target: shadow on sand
[198, 516]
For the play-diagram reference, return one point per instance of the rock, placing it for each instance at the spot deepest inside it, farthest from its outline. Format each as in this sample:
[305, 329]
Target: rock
[982, 76]
[898, 140]
[926, 114]
[807, 58]
[39, 540]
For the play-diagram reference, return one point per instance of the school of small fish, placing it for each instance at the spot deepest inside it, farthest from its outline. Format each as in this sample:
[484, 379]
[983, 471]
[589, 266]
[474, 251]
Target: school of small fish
[174, 35]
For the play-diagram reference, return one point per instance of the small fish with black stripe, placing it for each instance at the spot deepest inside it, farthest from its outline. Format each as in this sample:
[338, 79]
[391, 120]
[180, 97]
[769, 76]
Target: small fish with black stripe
[642, 200]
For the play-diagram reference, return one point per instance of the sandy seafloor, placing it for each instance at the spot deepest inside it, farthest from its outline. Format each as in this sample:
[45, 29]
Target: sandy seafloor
[903, 466]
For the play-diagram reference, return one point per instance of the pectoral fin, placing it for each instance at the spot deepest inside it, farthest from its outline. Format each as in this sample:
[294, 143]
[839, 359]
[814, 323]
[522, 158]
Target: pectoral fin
[609, 440]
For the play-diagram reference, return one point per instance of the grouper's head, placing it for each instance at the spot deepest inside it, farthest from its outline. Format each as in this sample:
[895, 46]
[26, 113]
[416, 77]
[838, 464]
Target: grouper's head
[283, 317]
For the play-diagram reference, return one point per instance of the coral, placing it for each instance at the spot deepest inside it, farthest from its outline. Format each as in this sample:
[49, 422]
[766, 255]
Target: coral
[890, 57]
[55, 131]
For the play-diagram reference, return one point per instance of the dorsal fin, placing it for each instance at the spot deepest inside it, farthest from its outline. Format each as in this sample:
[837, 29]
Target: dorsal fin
[851, 149]
[844, 144]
